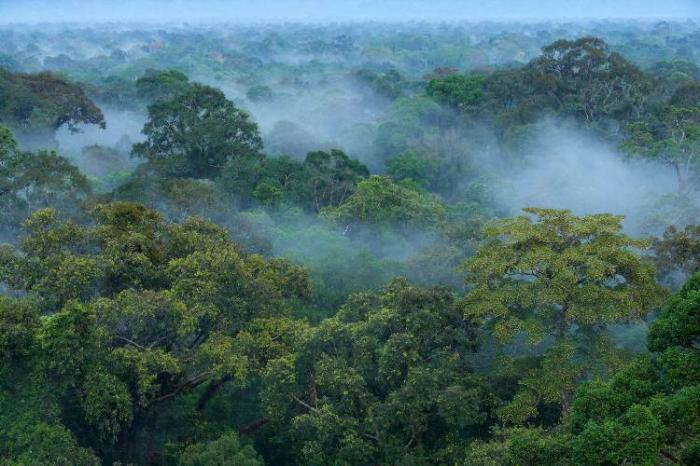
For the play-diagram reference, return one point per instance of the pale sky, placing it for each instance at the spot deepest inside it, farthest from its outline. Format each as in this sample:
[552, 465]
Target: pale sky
[22, 11]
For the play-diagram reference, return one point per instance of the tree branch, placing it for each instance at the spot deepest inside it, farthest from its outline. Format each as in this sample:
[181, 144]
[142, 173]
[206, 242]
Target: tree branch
[306, 405]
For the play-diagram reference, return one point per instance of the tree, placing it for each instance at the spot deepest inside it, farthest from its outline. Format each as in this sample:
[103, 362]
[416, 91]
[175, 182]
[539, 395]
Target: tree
[140, 316]
[677, 253]
[31, 181]
[462, 92]
[9, 159]
[196, 133]
[224, 451]
[649, 412]
[333, 177]
[412, 166]
[390, 84]
[558, 280]
[672, 138]
[380, 202]
[47, 179]
[520, 446]
[323, 179]
[676, 71]
[44, 102]
[387, 380]
[161, 85]
[589, 81]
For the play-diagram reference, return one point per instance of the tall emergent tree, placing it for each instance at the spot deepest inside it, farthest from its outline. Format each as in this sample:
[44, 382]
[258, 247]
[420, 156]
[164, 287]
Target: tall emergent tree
[195, 133]
[586, 79]
[559, 280]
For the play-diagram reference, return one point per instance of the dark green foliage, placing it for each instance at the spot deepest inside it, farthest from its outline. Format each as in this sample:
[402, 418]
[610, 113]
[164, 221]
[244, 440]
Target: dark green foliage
[44, 101]
[388, 378]
[224, 451]
[140, 315]
[196, 133]
[461, 92]
[679, 325]
[586, 79]
[379, 201]
[410, 166]
[635, 437]
[323, 179]
[390, 84]
[651, 410]
[157, 85]
[676, 70]
[521, 446]
[670, 136]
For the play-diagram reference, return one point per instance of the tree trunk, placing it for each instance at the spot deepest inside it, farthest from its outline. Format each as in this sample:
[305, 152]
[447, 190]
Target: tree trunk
[680, 175]
[566, 398]
[251, 427]
[211, 390]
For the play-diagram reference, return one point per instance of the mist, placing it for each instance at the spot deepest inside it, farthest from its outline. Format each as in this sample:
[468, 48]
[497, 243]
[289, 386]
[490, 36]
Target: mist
[566, 168]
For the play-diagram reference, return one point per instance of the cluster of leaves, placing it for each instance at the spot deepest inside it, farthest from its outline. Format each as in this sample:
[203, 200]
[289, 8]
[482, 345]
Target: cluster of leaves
[322, 179]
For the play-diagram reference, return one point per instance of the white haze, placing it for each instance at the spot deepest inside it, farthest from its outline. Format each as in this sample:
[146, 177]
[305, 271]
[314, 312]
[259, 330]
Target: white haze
[35, 11]
[122, 131]
[120, 123]
[566, 169]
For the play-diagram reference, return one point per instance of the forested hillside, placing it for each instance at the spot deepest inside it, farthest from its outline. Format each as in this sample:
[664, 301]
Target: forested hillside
[350, 244]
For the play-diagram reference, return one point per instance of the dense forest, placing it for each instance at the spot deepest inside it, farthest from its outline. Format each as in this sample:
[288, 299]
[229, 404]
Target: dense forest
[350, 244]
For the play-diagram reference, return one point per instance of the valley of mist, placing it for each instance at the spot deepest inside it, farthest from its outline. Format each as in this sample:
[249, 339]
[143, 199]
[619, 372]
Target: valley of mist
[357, 88]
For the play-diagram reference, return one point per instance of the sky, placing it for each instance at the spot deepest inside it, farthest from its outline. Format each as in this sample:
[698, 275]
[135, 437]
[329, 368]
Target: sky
[34, 11]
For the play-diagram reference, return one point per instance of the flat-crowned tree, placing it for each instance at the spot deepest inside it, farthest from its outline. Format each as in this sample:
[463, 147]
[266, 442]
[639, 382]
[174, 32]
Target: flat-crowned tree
[379, 201]
[44, 102]
[559, 280]
[195, 133]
